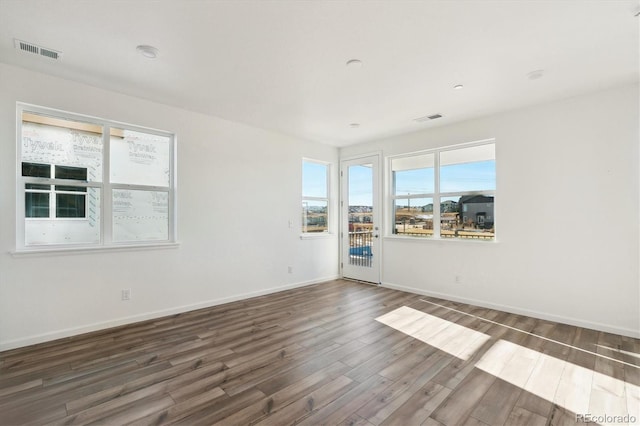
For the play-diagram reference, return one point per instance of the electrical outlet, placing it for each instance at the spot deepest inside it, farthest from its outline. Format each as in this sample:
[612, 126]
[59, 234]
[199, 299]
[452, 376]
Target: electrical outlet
[126, 294]
[458, 279]
[290, 269]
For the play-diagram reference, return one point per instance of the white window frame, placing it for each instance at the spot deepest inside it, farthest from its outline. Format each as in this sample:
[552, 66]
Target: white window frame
[304, 233]
[53, 199]
[106, 216]
[437, 196]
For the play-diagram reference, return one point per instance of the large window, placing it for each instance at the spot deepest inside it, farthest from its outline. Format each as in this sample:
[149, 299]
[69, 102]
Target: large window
[315, 197]
[445, 193]
[87, 182]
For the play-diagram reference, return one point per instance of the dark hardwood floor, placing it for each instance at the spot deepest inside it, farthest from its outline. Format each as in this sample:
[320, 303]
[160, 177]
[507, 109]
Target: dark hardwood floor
[337, 353]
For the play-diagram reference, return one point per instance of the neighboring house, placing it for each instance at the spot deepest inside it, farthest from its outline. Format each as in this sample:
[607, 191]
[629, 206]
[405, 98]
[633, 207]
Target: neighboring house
[477, 210]
[448, 206]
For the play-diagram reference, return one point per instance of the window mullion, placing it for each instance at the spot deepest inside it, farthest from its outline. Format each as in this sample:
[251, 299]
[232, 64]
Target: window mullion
[106, 222]
[436, 196]
[52, 197]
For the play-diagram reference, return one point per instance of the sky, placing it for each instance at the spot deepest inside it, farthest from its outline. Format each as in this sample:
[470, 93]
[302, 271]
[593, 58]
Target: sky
[314, 179]
[476, 176]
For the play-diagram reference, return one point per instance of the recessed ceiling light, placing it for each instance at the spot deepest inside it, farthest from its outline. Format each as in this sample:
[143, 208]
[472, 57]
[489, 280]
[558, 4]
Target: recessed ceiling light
[458, 87]
[147, 51]
[354, 63]
[354, 125]
[534, 75]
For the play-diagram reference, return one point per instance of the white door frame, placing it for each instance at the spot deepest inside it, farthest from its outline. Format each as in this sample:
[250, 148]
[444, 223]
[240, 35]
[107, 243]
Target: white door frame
[372, 273]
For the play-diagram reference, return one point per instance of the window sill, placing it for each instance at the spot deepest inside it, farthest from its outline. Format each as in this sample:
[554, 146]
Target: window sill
[318, 236]
[439, 240]
[62, 251]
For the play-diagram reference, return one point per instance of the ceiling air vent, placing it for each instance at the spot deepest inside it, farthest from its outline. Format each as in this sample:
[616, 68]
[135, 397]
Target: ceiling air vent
[428, 118]
[37, 50]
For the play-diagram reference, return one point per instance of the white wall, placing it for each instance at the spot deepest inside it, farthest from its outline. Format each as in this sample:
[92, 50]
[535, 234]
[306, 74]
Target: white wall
[567, 215]
[238, 187]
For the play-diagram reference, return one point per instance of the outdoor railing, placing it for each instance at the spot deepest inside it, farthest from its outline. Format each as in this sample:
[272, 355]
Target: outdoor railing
[481, 235]
[360, 248]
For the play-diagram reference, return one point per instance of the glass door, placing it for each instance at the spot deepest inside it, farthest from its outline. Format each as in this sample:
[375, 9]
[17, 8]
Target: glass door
[360, 219]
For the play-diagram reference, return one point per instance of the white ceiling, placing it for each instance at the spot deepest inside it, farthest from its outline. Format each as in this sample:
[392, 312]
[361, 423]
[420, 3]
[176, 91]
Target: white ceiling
[280, 65]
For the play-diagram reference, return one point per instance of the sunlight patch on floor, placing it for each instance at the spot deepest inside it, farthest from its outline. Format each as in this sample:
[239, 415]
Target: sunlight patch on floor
[578, 389]
[459, 341]
[620, 351]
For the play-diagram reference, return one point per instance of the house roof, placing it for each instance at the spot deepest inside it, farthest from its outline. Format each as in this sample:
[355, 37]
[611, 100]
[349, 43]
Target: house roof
[476, 199]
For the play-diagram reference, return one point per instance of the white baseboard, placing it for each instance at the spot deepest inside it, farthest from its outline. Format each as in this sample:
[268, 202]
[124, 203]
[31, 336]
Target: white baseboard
[87, 328]
[521, 311]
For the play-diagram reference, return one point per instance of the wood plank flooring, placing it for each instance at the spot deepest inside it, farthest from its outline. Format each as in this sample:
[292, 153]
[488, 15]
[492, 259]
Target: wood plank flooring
[336, 353]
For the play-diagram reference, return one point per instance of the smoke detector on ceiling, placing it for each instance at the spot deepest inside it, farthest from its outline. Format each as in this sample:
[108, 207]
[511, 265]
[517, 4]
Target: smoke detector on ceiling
[27, 47]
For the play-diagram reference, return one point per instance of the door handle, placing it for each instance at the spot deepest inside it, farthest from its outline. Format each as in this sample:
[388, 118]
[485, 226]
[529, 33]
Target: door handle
[376, 236]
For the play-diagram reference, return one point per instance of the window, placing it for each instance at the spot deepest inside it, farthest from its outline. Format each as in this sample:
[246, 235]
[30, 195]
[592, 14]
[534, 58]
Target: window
[74, 194]
[315, 197]
[445, 193]
[54, 201]
[467, 192]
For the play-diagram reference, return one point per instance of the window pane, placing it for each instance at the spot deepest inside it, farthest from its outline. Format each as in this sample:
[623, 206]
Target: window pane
[38, 186]
[468, 177]
[468, 216]
[314, 216]
[414, 216]
[36, 204]
[360, 193]
[73, 173]
[468, 169]
[70, 188]
[140, 215]
[140, 158]
[67, 172]
[314, 179]
[70, 205]
[78, 220]
[413, 175]
[36, 170]
[47, 141]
